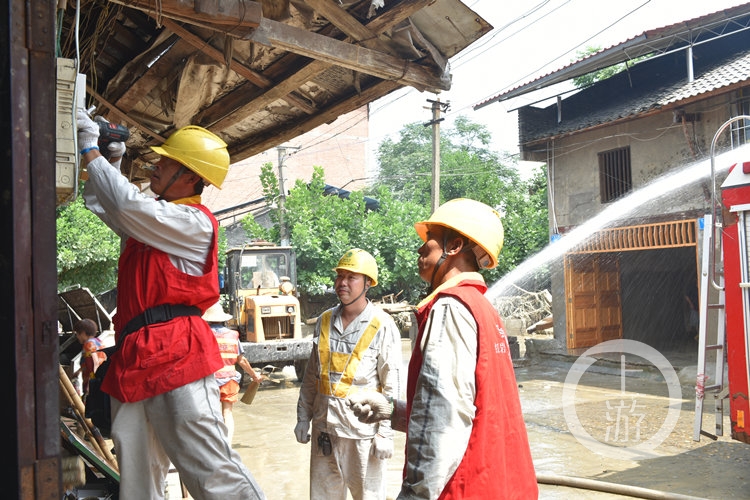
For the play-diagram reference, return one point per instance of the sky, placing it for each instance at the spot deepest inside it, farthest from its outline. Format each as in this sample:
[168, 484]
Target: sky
[528, 40]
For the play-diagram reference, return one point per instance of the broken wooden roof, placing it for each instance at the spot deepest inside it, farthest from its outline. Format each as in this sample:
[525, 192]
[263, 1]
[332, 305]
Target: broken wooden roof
[256, 73]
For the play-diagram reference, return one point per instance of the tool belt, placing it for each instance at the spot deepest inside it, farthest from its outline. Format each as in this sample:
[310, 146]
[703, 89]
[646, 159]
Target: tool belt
[158, 314]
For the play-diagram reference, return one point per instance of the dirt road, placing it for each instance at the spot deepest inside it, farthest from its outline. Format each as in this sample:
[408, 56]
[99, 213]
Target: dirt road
[706, 469]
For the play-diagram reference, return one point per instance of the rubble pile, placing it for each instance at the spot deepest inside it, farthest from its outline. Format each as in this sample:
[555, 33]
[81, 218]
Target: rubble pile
[532, 309]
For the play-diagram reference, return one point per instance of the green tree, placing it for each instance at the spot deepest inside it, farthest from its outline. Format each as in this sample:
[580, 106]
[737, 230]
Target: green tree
[87, 250]
[589, 79]
[470, 169]
[323, 227]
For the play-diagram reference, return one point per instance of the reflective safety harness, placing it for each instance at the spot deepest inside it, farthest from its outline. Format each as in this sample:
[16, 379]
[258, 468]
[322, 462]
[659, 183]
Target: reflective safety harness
[341, 362]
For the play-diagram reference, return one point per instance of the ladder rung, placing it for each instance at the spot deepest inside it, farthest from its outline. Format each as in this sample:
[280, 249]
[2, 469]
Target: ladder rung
[715, 306]
[714, 387]
[714, 347]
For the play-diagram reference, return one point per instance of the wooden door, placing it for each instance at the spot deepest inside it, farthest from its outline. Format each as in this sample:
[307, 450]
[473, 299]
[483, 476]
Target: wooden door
[592, 290]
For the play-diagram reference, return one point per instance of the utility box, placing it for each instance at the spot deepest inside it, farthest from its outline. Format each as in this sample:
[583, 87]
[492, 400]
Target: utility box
[66, 154]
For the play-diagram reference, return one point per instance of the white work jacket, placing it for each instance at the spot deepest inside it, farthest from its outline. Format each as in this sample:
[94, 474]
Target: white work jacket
[378, 370]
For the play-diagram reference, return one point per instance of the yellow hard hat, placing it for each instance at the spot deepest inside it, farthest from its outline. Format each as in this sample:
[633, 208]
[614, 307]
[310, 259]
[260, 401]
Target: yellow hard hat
[200, 150]
[473, 219]
[359, 261]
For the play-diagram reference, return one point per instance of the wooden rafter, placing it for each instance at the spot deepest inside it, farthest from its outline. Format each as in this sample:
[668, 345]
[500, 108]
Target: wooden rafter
[229, 16]
[218, 116]
[347, 55]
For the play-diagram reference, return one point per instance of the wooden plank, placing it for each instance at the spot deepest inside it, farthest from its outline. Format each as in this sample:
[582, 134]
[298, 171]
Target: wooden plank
[347, 23]
[231, 15]
[218, 116]
[349, 56]
[138, 89]
[247, 73]
[84, 450]
[266, 141]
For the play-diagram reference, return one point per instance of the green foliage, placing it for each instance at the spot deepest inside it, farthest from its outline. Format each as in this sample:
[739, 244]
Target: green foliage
[469, 169]
[87, 250]
[589, 79]
[323, 227]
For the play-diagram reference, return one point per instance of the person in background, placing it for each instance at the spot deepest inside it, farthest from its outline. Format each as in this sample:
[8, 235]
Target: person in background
[165, 399]
[356, 349]
[465, 433]
[228, 377]
[92, 355]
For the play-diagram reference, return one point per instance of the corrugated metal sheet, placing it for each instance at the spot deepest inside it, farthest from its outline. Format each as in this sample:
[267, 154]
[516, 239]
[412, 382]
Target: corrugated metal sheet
[652, 42]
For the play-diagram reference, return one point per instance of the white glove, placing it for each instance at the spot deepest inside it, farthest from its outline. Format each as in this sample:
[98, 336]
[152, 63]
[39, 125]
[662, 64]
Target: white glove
[382, 447]
[302, 431]
[116, 149]
[370, 407]
[88, 131]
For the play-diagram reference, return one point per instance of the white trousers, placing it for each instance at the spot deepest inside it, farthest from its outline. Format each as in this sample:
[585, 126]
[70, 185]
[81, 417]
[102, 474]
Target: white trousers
[184, 427]
[350, 465]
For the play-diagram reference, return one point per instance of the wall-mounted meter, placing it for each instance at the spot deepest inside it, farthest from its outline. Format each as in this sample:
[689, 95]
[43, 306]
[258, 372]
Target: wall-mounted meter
[70, 94]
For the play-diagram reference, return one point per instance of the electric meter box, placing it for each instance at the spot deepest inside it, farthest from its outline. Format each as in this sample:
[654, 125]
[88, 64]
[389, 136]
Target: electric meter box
[70, 92]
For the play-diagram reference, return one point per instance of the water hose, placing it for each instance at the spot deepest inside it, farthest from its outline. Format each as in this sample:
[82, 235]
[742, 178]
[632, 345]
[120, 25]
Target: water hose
[619, 489]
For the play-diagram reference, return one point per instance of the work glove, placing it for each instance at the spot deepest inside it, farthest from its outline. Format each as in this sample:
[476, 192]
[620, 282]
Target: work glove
[382, 447]
[115, 150]
[302, 431]
[370, 407]
[88, 131]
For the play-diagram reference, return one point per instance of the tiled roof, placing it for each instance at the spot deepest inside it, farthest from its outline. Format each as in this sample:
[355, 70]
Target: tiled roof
[645, 87]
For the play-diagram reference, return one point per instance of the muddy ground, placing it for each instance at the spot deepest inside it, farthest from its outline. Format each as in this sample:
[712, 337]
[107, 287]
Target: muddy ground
[681, 467]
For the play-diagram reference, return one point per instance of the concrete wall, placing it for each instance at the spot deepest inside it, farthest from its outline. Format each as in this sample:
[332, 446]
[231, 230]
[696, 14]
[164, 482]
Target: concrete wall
[658, 145]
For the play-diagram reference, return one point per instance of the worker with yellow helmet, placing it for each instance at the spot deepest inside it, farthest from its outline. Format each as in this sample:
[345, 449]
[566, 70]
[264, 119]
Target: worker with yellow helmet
[466, 434]
[356, 350]
[161, 375]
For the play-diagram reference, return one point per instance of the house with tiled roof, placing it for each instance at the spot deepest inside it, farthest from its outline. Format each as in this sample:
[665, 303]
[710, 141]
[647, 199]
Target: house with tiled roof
[630, 175]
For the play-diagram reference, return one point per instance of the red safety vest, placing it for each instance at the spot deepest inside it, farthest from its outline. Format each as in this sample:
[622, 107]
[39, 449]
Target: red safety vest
[497, 463]
[163, 356]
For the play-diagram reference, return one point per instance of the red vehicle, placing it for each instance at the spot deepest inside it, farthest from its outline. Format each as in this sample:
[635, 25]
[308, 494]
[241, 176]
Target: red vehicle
[732, 342]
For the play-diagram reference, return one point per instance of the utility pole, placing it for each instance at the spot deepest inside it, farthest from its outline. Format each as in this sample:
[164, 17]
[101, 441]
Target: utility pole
[283, 230]
[437, 107]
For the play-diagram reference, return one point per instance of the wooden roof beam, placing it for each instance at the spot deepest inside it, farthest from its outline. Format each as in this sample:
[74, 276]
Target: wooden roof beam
[217, 115]
[348, 24]
[228, 16]
[338, 53]
[252, 76]
[262, 143]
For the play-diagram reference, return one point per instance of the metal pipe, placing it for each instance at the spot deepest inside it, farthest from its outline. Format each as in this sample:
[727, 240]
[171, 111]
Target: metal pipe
[618, 489]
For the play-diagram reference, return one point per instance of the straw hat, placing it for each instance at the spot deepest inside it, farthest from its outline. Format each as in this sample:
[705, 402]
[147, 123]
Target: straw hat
[216, 314]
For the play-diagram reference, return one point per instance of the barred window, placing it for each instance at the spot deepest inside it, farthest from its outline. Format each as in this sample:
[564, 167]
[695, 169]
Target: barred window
[615, 179]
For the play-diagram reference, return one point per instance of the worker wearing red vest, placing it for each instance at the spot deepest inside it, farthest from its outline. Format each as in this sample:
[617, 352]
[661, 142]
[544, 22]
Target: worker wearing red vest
[356, 348]
[466, 437]
[165, 399]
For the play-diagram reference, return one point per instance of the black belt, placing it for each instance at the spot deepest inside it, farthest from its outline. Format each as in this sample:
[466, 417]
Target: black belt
[158, 314]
